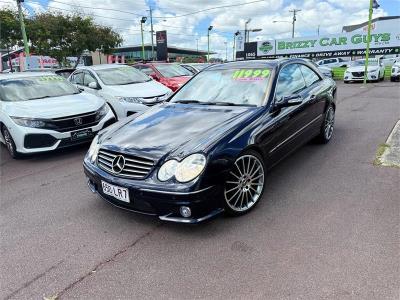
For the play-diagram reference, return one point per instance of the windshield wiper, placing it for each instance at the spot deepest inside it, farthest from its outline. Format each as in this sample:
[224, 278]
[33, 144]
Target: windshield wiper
[43, 97]
[222, 103]
[132, 82]
[187, 101]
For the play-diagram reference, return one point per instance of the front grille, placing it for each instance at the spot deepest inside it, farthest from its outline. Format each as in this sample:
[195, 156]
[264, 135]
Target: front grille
[358, 74]
[135, 167]
[75, 122]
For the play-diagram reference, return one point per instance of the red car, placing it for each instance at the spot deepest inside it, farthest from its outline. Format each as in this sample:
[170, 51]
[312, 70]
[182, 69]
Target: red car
[170, 75]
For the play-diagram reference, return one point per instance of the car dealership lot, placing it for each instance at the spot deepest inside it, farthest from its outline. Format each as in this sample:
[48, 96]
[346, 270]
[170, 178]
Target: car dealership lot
[327, 226]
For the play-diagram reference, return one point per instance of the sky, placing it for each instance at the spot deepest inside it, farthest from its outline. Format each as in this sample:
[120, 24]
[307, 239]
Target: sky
[191, 30]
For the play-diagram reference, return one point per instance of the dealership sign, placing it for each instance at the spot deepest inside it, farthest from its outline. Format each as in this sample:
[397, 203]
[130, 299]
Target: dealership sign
[344, 44]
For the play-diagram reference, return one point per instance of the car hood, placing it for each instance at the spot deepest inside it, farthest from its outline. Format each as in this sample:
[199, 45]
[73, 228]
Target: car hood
[145, 89]
[175, 130]
[361, 68]
[54, 107]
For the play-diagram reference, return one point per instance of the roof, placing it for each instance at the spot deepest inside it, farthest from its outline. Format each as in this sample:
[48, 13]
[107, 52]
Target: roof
[350, 28]
[172, 49]
[101, 67]
[25, 74]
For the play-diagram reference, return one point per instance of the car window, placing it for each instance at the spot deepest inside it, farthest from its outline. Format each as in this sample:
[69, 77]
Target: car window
[77, 78]
[309, 75]
[88, 79]
[146, 70]
[290, 81]
[122, 75]
[172, 70]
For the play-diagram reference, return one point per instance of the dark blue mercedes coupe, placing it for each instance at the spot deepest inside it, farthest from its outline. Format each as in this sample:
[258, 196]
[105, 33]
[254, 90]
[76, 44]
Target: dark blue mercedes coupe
[207, 149]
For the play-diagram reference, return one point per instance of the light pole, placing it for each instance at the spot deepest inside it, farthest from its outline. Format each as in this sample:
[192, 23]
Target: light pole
[21, 20]
[245, 29]
[279, 21]
[226, 51]
[234, 44]
[151, 30]
[208, 42]
[318, 29]
[142, 21]
[197, 41]
[252, 30]
[294, 11]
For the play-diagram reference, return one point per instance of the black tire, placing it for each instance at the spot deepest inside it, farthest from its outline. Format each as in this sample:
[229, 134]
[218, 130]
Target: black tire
[246, 182]
[326, 134]
[10, 144]
[346, 82]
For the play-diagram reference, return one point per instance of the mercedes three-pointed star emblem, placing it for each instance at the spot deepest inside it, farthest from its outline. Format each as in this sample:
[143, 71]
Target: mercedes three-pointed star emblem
[118, 164]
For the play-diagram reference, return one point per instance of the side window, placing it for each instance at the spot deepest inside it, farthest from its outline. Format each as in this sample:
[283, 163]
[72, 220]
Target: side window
[77, 78]
[309, 75]
[290, 81]
[88, 79]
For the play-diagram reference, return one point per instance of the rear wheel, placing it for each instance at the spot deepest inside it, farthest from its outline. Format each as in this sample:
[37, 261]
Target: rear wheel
[327, 128]
[245, 184]
[10, 144]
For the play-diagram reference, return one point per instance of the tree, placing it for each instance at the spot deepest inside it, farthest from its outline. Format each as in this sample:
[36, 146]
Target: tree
[10, 31]
[61, 36]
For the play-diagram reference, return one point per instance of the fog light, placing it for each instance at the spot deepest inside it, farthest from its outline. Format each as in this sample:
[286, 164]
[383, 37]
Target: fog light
[185, 211]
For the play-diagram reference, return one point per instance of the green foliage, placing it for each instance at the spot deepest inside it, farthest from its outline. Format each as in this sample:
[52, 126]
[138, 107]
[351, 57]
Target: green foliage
[10, 30]
[61, 36]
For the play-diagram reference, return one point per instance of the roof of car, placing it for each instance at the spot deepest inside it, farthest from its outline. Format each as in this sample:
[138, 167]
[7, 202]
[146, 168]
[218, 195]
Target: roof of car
[25, 74]
[101, 67]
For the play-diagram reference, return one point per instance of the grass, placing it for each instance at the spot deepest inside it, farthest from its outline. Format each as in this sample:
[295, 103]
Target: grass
[381, 149]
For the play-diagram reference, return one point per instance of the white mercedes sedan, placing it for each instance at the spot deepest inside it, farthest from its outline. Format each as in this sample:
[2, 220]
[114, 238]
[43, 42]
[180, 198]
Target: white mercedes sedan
[43, 111]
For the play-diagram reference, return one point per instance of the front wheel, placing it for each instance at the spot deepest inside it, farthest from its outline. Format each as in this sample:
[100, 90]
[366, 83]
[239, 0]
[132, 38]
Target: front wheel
[327, 127]
[245, 184]
[10, 144]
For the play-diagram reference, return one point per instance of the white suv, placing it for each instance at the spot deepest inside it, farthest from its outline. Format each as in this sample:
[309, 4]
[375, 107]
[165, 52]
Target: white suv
[43, 111]
[127, 90]
[333, 62]
[395, 75]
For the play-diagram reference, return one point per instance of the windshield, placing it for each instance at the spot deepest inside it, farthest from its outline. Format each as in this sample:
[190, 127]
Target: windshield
[201, 66]
[229, 87]
[121, 76]
[172, 70]
[361, 62]
[35, 87]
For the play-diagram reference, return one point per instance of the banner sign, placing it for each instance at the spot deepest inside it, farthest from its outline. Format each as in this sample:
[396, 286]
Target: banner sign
[343, 44]
[239, 42]
[162, 47]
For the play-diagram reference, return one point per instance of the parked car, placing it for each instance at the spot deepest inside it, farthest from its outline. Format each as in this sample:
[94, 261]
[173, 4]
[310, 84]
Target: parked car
[171, 75]
[64, 72]
[208, 148]
[395, 75]
[390, 59]
[333, 62]
[195, 67]
[376, 71]
[42, 112]
[326, 71]
[125, 89]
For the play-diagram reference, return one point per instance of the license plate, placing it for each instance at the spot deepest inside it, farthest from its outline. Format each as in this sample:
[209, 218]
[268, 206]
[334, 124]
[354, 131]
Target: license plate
[117, 192]
[81, 134]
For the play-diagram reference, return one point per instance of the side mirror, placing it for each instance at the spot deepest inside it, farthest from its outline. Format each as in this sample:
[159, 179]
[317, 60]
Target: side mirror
[154, 76]
[94, 85]
[287, 101]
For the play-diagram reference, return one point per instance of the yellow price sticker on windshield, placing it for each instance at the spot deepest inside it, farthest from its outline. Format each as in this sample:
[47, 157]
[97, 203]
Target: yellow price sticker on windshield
[251, 74]
[50, 78]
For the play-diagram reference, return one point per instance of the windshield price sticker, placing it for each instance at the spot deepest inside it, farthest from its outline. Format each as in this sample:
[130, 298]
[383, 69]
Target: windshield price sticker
[50, 78]
[251, 74]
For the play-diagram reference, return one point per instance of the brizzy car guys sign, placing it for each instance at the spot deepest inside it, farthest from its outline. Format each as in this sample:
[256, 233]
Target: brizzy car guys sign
[344, 44]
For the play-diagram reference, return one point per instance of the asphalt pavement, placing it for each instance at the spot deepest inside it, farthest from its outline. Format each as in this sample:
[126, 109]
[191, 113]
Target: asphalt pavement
[327, 227]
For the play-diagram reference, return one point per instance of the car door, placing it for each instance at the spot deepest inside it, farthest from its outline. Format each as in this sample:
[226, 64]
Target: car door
[87, 79]
[288, 120]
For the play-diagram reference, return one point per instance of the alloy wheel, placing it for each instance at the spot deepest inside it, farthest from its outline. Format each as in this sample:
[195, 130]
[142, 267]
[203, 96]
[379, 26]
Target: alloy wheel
[329, 123]
[245, 184]
[9, 141]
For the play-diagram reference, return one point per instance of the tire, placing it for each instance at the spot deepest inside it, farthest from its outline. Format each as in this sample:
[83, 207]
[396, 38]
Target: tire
[245, 184]
[10, 144]
[346, 82]
[327, 127]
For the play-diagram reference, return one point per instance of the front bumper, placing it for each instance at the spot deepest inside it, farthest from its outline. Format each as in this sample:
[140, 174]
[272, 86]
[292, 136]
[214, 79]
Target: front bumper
[371, 77]
[395, 77]
[152, 200]
[33, 140]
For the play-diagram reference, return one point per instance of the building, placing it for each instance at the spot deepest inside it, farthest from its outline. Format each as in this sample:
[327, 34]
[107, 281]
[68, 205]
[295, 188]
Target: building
[379, 24]
[134, 53]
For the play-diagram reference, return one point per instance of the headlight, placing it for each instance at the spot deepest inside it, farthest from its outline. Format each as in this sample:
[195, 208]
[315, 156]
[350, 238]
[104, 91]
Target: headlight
[28, 122]
[184, 171]
[131, 99]
[167, 170]
[190, 167]
[102, 112]
[94, 149]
